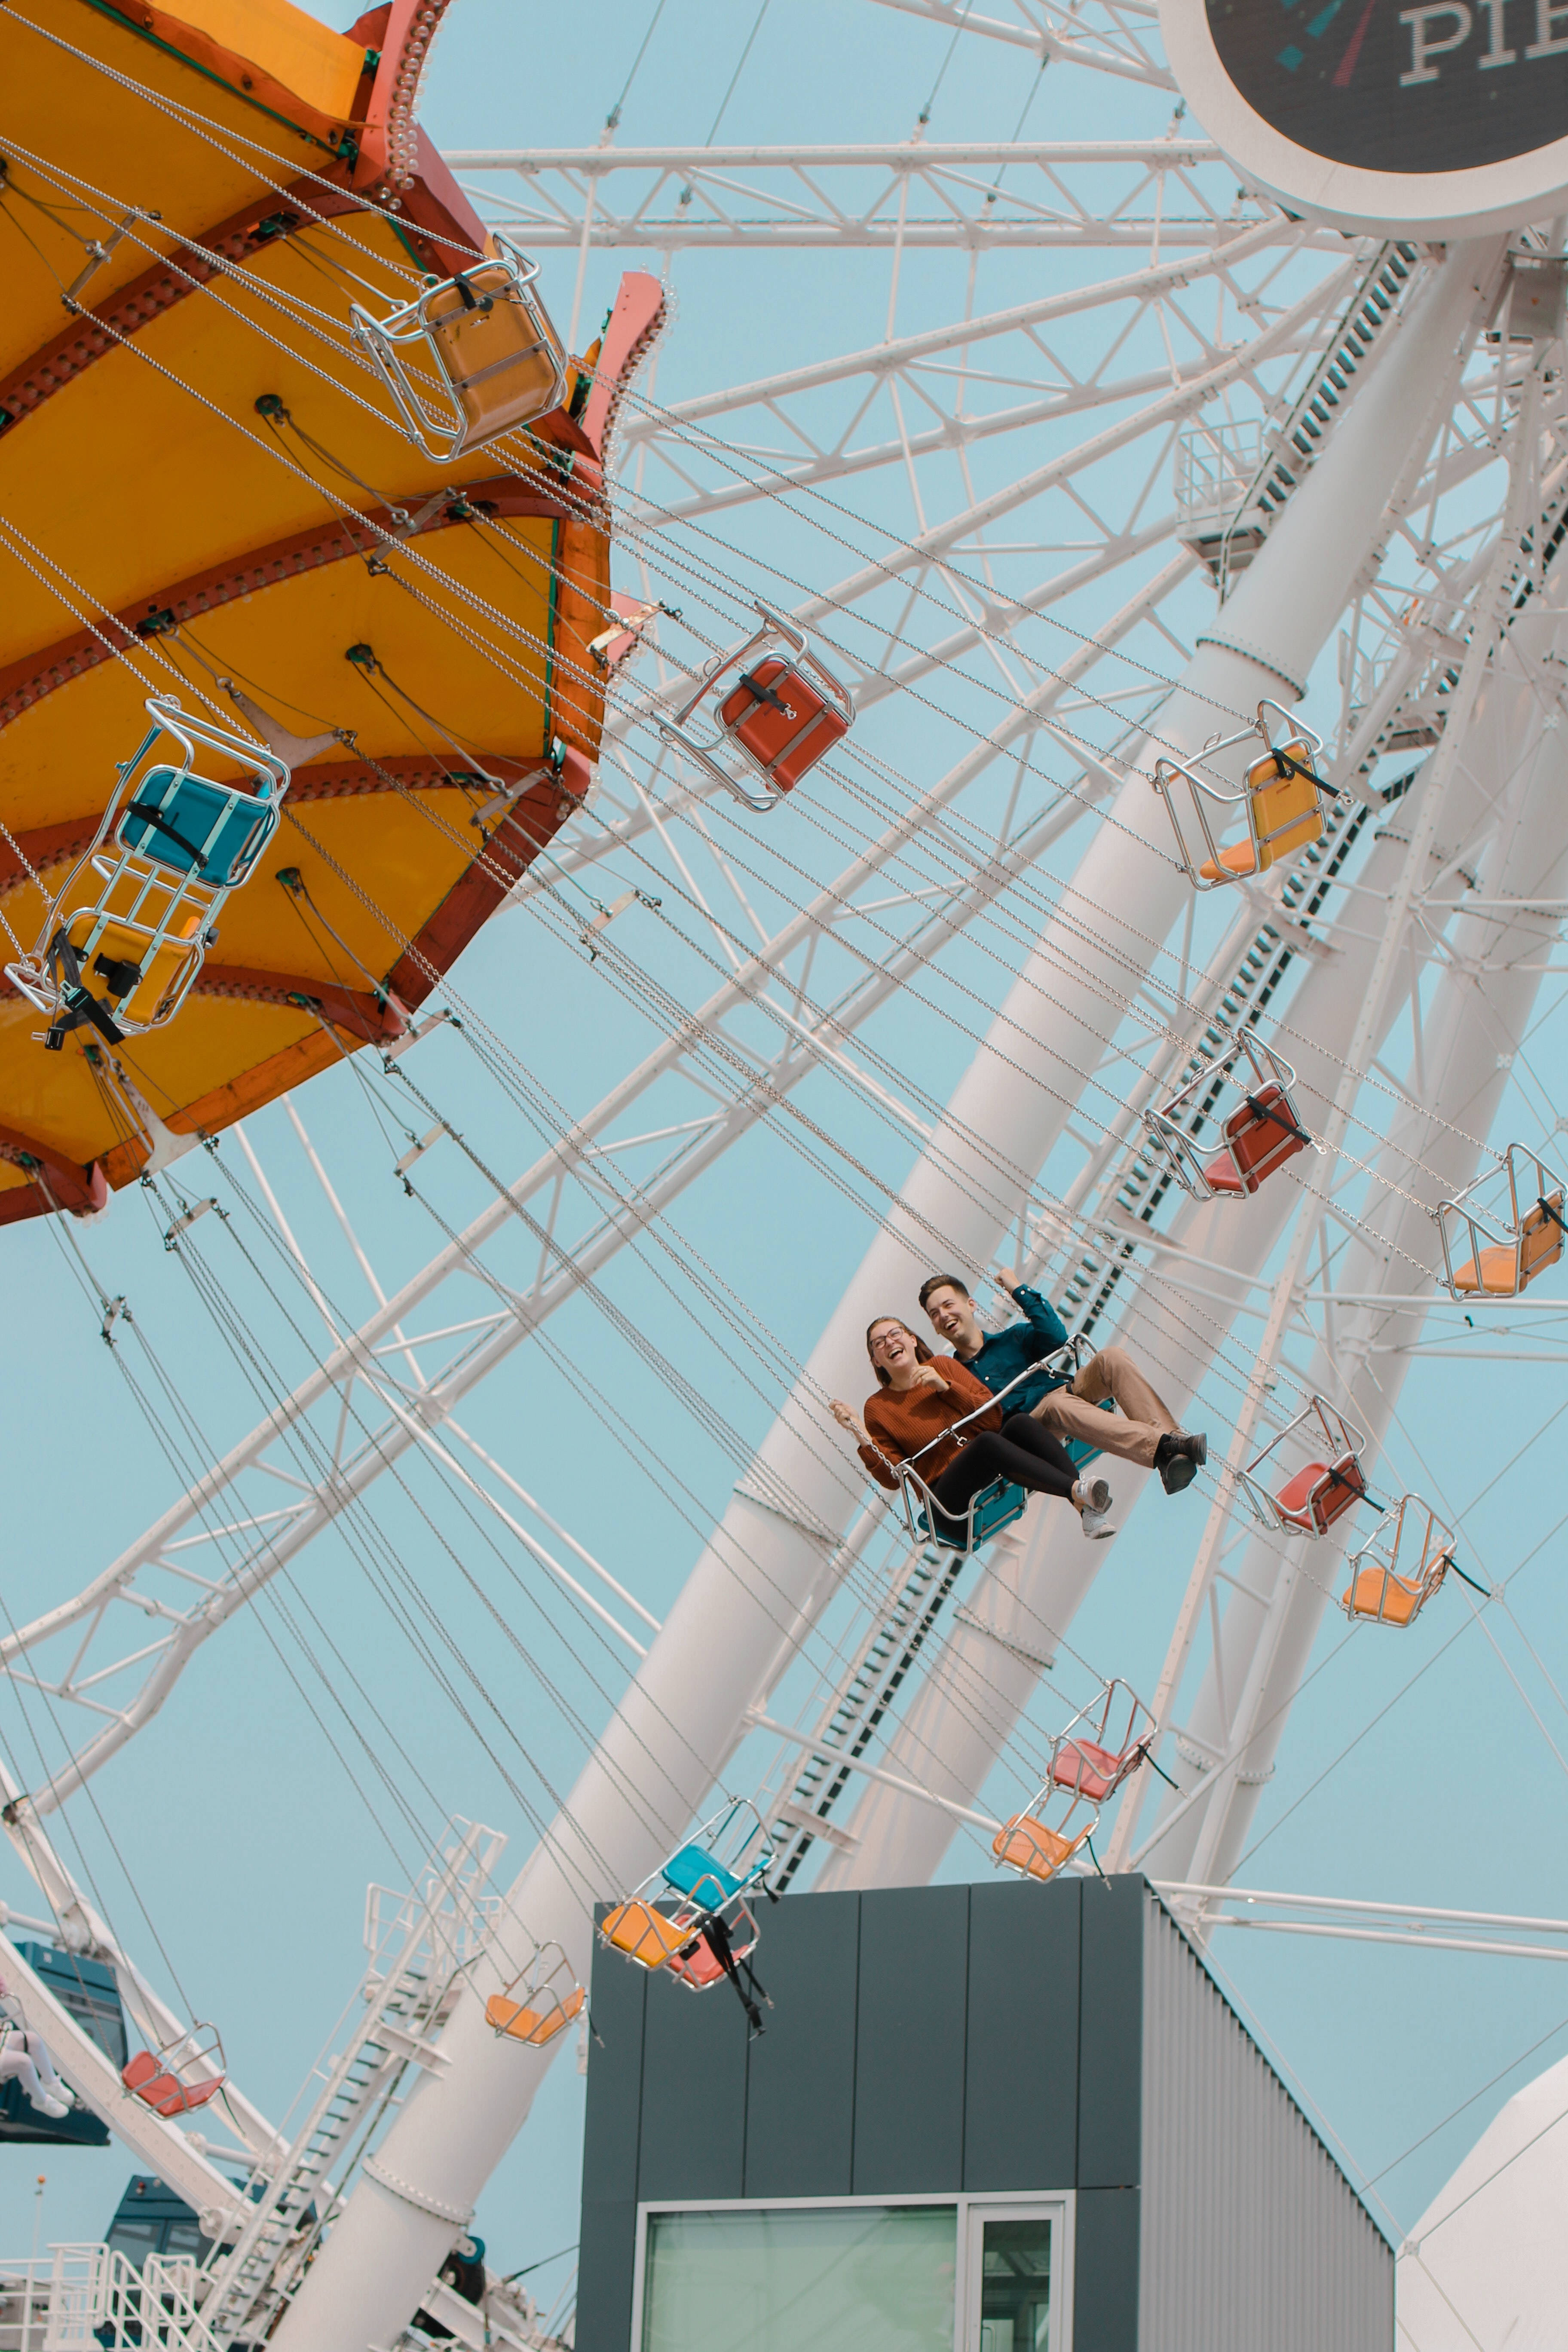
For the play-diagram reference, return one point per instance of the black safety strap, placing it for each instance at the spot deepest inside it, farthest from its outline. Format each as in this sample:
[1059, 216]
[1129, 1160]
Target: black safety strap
[156, 818]
[760, 693]
[81, 1003]
[1546, 1209]
[472, 301]
[1270, 1115]
[1484, 1589]
[717, 1940]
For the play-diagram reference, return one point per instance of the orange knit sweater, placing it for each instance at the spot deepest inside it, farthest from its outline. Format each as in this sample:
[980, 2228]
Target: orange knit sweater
[902, 1421]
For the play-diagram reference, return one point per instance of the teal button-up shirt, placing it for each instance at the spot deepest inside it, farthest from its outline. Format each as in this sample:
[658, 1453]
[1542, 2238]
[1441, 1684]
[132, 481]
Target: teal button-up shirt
[1004, 1354]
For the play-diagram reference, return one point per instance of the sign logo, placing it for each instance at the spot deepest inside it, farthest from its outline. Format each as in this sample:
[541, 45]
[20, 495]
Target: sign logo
[1441, 87]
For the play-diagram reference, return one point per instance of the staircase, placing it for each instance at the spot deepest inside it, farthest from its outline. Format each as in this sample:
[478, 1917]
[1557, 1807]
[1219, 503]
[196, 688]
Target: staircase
[1226, 536]
[417, 1942]
[850, 1721]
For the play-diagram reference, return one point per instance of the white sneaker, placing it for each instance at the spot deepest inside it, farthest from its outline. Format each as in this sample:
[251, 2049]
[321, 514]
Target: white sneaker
[50, 2105]
[1096, 1524]
[1095, 1513]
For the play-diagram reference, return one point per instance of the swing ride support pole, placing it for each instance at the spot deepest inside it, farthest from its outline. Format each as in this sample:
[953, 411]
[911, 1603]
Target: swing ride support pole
[723, 1642]
[1486, 624]
[1265, 1646]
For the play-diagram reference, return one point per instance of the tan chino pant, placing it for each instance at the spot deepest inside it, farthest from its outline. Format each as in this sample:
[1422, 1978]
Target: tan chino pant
[1132, 1432]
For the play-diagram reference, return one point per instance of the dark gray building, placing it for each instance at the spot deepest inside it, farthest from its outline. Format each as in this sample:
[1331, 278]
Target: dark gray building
[981, 2118]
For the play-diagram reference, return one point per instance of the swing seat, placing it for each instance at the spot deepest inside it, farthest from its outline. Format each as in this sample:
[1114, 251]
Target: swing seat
[1319, 1493]
[1262, 1134]
[1385, 1599]
[499, 357]
[650, 1938]
[165, 2093]
[1505, 1270]
[519, 2023]
[1284, 815]
[783, 722]
[698, 1967]
[995, 1508]
[1025, 1844]
[1093, 1771]
[181, 822]
[692, 1872]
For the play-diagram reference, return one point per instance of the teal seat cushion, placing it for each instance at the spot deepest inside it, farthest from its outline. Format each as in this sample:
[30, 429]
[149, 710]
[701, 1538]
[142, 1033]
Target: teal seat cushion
[197, 828]
[695, 1873]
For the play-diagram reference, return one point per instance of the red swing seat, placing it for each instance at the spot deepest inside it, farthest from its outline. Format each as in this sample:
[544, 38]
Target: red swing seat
[1320, 1493]
[1262, 1134]
[785, 723]
[147, 2075]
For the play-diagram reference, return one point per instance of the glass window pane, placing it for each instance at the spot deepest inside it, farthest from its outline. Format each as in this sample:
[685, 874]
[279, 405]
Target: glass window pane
[1015, 2287]
[859, 2279]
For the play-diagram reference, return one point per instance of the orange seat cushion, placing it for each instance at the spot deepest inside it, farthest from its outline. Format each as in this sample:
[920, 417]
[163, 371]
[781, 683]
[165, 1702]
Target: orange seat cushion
[536, 2026]
[1231, 864]
[1388, 1600]
[645, 1934]
[1026, 1844]
[1505, 1269]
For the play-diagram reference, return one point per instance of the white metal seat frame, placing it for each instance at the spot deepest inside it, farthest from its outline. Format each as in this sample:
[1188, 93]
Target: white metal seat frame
[1091, 1727]
[1318, 1504]
[738, 1845]
[921, 1508]
[1214, 808]
[1509, 1230]
[776, 636]
[1062, 1816]
[128, 896]
[443, 430]
[1174, 1129]
[1409, 1552]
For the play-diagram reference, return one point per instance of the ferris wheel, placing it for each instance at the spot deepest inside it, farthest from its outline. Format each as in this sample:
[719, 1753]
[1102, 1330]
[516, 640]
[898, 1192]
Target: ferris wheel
[1156, 914]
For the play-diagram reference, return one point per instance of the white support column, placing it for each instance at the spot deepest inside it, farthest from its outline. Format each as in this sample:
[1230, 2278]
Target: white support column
[720, 1647]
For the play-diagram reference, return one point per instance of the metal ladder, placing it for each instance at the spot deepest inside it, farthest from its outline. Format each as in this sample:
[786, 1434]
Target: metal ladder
[848, 1723]
[1291, 448]
[417, 1942]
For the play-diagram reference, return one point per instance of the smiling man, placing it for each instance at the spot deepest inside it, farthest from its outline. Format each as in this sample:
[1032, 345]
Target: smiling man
[1140, 1431]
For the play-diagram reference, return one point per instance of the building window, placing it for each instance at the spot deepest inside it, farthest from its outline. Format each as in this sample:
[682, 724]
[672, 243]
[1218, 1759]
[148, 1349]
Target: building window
[967, 2274]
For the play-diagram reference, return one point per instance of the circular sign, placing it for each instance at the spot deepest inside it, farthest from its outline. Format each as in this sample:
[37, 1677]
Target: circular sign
[1447, 117]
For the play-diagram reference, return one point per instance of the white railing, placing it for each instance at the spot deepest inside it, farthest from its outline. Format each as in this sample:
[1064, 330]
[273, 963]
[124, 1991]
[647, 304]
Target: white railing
[1216, 466]
[95, 2300]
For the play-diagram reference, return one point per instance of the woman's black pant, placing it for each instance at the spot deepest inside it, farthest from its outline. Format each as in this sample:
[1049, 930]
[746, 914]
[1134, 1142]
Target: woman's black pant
[1020, 1450]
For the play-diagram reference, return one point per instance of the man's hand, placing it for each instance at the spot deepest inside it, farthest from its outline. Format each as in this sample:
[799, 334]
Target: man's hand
[1006, 1283]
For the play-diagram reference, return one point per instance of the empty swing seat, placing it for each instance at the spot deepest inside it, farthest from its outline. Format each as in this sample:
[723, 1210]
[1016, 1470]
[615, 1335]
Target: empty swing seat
[1283, 816]
[1510, 1267]
[1320, 1493]
[781, 721]
[1025, 1844]
[499, 357]
[147, 2075]
[1261, 1136]
[535, 2025]
[648, 1937]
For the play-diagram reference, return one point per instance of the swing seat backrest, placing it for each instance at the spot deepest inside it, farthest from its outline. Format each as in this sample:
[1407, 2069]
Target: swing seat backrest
[650, 1938]
[1261, 1135]
[694, 1873]
[783, 742]
[1317, 1496]
[1093, 1771]
[1284, 816]
[500, 358]
[182, 822]
[1026, 1844]
[535, 2022]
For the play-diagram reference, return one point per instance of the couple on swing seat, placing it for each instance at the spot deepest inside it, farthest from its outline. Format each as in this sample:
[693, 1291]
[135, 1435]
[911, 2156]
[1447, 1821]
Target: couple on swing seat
[1023, 1439]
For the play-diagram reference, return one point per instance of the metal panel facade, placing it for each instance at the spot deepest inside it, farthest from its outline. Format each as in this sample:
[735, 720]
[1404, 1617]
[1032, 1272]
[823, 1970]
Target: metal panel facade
[1251, 2236]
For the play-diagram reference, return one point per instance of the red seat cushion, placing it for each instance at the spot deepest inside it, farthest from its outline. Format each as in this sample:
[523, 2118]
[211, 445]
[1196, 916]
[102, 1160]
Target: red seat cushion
[1080, 1765]
[1220, 1175]
[784, 743]
[1322, 1510]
